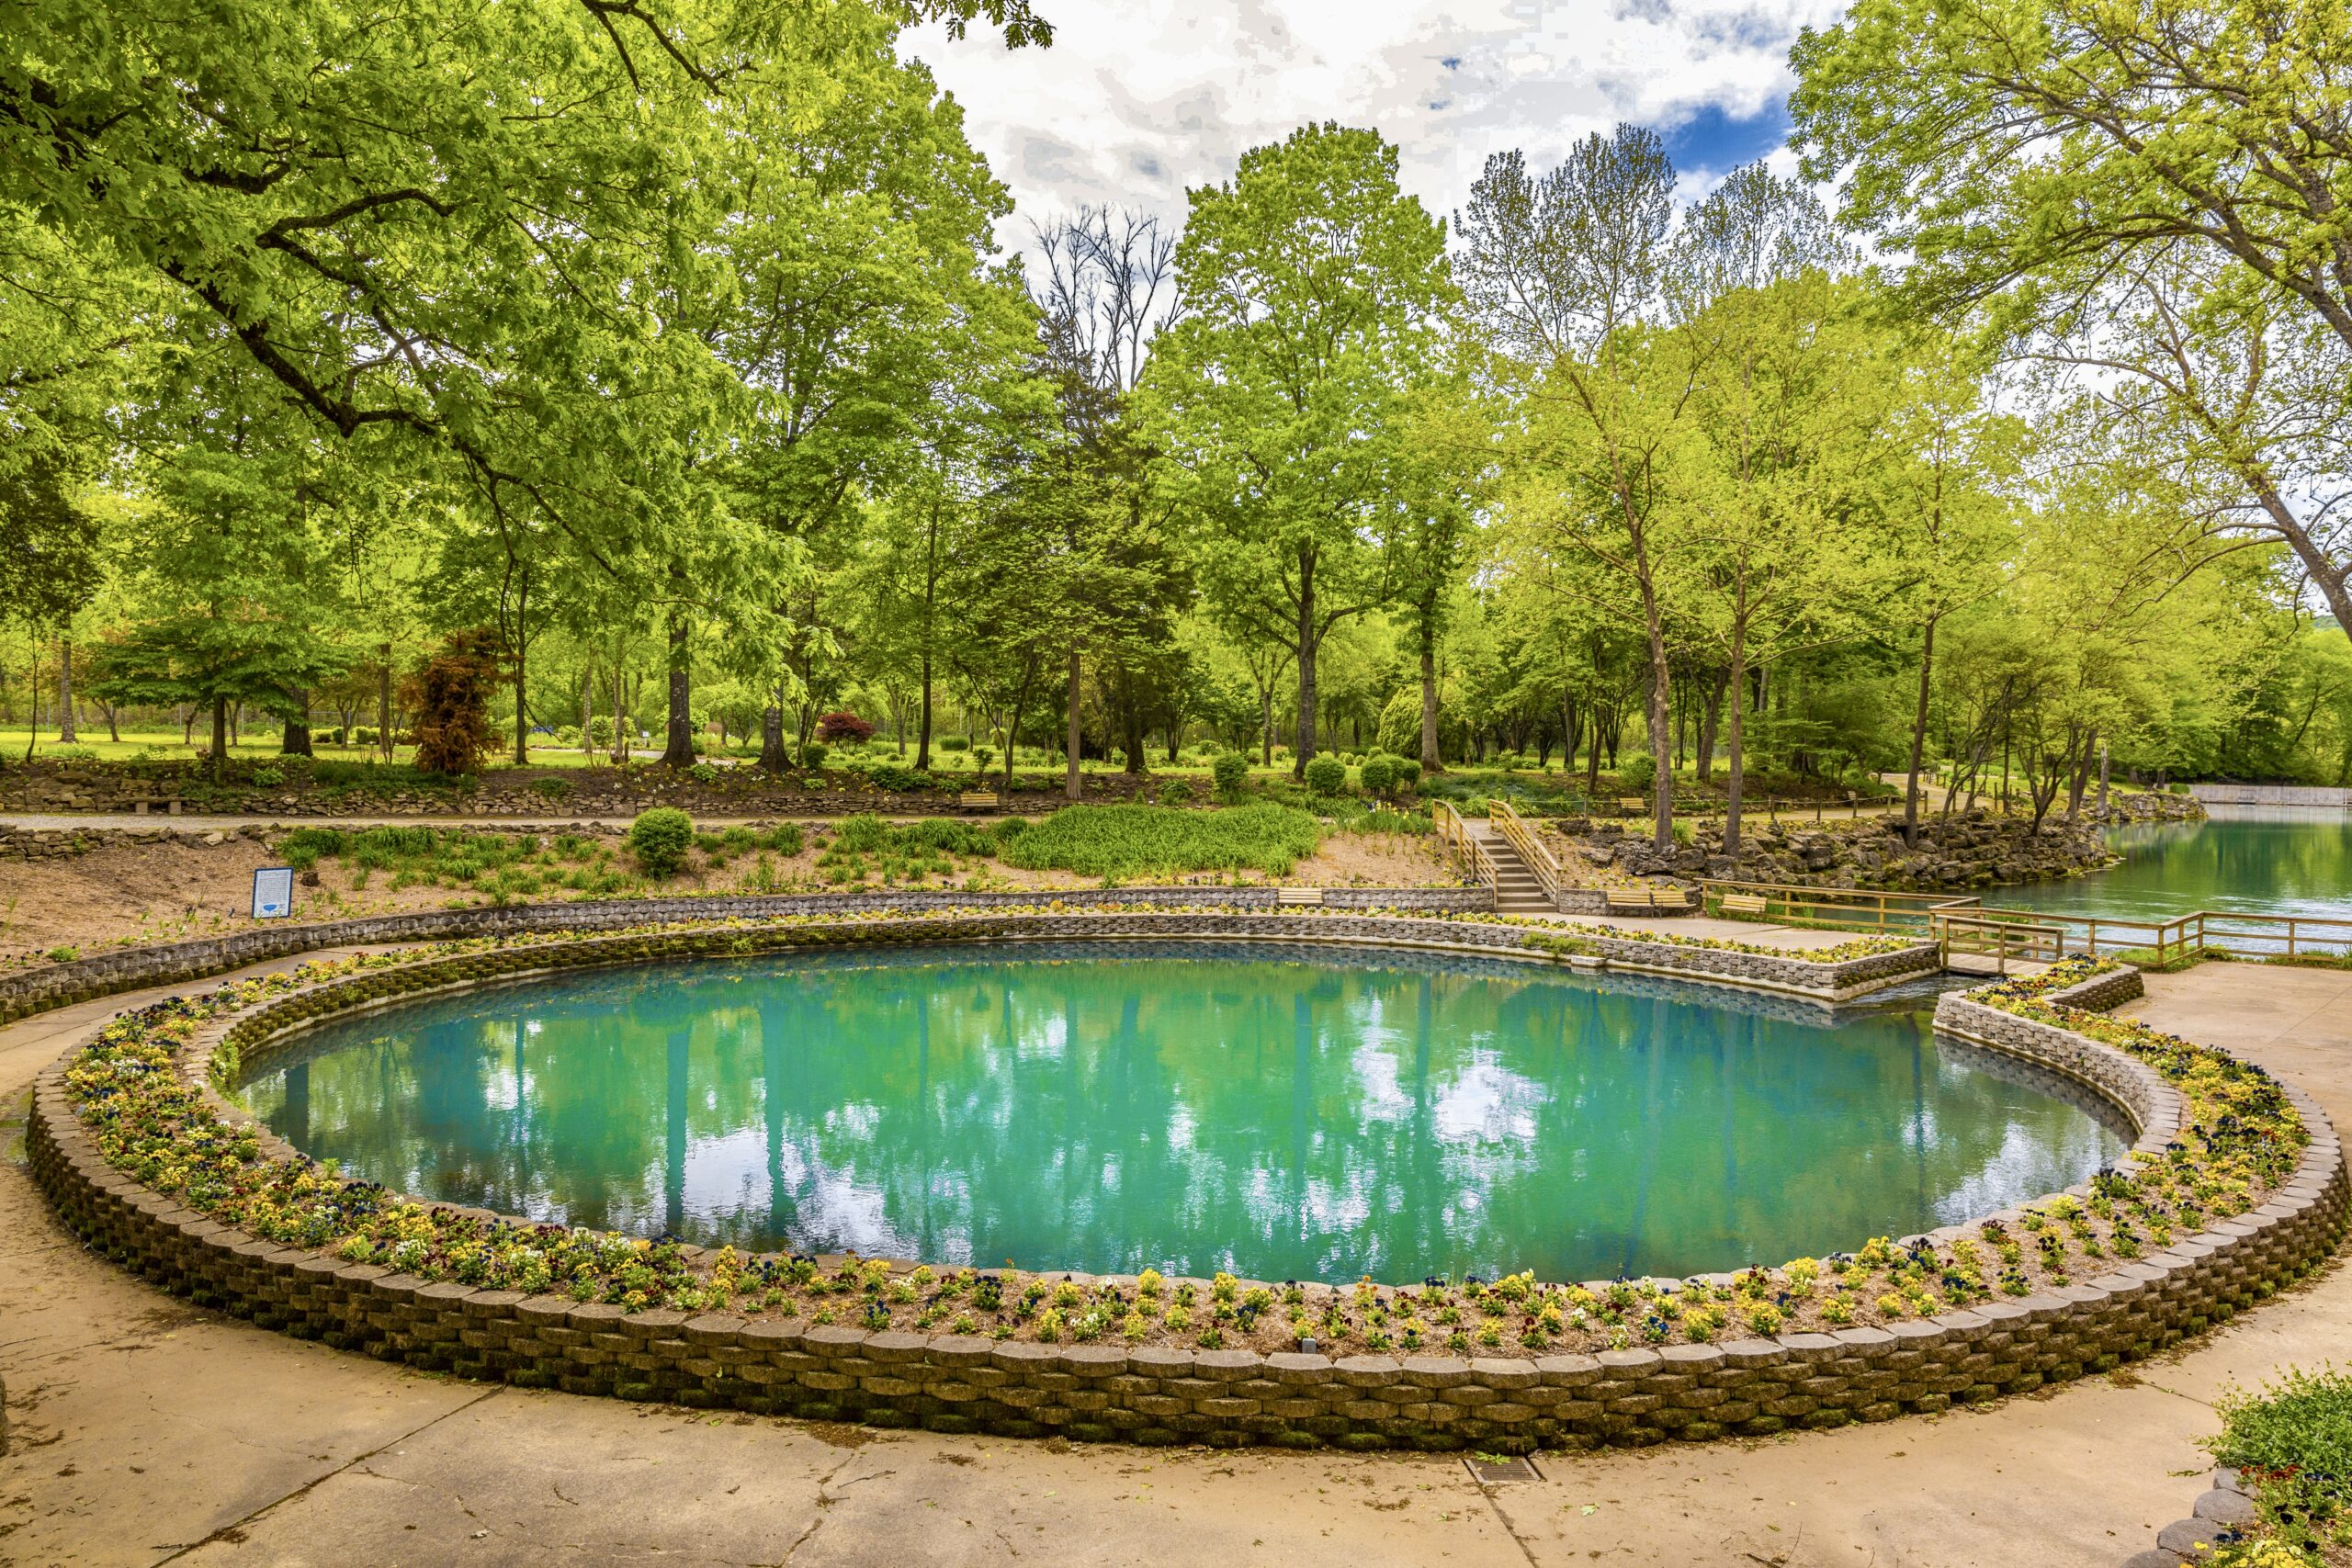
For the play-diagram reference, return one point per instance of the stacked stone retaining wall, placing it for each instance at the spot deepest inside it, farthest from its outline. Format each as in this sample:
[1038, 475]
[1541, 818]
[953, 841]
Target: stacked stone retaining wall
[132, 968]
[957, 1383]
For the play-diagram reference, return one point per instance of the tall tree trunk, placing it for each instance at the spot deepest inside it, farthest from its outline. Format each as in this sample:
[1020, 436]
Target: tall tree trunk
[220, 735]
[65, 690]
[1709, 723]
[922, 736]
[2078, 776]
[679, 753]
[1430, 762]
[1072, 786]
[384, 736]
[296, 740]
[1131, 730]
[621, 719]
[930, 606]
[1660, 723]
[1012, 736]
[1918, 737]
[772, 738]
[1307, 698]
[587, 708]
[1734, 738]
[522, 707]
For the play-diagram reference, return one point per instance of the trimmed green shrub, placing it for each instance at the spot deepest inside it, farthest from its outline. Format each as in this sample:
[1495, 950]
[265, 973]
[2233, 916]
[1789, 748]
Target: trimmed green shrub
[1637, 772]
[812, 753]
[1326, 775]
[954, 743]
[659, 839]
[898, 779]
[1232, 770]
[1378, 775]
[1409, 773]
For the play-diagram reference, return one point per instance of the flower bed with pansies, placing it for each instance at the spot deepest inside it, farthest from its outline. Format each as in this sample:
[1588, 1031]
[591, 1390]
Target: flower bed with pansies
[2239, 1138]
[1576, 938]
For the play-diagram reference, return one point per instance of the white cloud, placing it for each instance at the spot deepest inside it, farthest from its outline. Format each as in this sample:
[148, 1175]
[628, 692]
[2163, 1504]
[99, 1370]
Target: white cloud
[1138, 100]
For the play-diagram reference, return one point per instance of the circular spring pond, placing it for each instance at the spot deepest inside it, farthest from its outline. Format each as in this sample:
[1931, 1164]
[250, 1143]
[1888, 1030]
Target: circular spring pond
[1275, 1111]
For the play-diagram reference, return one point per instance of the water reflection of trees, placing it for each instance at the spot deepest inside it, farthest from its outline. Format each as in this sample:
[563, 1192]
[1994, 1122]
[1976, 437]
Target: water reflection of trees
[2276, 861]
[1278, 1110]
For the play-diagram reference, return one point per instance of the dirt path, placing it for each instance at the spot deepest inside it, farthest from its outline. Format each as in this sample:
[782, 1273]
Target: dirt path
[143, 1432]
[183, 887]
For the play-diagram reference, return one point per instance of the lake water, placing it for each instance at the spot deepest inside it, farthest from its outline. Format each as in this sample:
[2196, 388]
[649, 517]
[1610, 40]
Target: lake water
[2246, 859]
[1280, 1111]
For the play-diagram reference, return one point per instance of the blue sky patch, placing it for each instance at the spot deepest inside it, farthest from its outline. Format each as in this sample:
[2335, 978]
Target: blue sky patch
[1718, 142]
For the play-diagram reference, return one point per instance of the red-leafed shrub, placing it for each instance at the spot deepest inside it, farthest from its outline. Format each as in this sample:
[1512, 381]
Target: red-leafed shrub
[453, 727]
[835, 727]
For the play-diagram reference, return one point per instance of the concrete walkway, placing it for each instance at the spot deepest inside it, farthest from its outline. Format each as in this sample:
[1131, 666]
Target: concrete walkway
[140, 1430]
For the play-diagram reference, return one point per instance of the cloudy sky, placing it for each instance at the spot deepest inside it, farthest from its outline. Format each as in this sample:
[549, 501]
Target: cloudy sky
[1138, 99]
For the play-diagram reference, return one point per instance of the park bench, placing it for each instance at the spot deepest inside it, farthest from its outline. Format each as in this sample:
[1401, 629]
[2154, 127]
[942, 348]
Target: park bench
[170, 803]
[1627, 899]
[1632, 804]
[1297, 895]
[978, 800]
[1743, 904]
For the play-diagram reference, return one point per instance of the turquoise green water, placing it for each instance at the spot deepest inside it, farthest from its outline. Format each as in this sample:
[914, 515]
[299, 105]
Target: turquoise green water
[2258, 859]
[1282, 1113]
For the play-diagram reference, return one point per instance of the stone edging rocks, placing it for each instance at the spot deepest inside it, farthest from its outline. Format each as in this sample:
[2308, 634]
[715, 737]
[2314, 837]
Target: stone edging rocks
[27, 991]
[2215, 1520]
[1153, 1394]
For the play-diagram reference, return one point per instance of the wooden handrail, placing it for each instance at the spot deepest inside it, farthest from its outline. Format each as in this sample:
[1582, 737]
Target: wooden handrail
[1968, 931]
[2181, 936]
[1454, 834]
[1531, 848]
[1869, 908]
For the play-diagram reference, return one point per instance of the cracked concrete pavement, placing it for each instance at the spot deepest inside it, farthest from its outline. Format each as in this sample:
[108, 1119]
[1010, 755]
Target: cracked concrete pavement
[140, 1430]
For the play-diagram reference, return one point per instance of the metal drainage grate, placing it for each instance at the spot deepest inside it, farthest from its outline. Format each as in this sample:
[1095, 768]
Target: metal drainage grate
[1489, 1470]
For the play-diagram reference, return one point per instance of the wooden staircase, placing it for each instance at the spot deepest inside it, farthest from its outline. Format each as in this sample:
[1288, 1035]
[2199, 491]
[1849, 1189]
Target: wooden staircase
[1518, 890]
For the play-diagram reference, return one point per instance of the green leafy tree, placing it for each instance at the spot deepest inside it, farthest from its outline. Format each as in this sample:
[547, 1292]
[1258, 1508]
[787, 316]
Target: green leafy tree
[1568, 274]
[223, 587]
[2152, 193]
[1314, 291]
[1788, 384]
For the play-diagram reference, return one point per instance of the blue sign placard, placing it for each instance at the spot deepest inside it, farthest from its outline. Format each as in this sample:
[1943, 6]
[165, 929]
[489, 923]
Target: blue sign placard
[273, 893]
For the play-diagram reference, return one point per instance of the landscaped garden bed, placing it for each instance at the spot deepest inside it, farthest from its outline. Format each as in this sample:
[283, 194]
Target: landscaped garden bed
[2234, 1187]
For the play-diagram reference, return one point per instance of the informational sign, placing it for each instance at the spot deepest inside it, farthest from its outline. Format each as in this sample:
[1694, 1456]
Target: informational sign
[273, 893]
